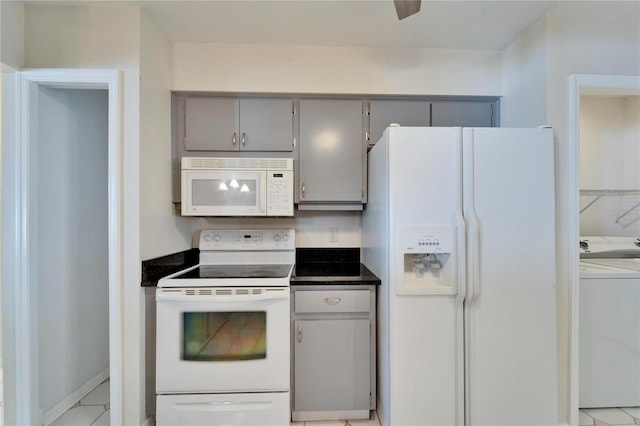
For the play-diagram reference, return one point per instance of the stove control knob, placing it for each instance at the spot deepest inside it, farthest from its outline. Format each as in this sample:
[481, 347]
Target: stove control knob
[285, 237]
[217, 237]
[208, 237]
[276, 237]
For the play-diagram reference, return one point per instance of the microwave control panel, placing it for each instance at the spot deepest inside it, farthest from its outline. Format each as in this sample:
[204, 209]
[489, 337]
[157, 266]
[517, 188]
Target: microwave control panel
[280, 193]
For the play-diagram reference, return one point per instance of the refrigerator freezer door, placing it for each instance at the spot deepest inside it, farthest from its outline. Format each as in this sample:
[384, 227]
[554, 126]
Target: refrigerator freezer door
[421, 382]
[510, 310]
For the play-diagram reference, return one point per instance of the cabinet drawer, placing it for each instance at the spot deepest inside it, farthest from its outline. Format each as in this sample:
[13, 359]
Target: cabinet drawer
[332, 301]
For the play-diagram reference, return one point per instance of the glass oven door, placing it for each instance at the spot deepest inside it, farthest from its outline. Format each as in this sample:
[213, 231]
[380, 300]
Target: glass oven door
[223, 193]
[222, 340]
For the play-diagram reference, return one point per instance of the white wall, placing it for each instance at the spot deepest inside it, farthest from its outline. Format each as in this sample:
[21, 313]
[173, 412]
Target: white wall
[610, 159]
[313, 69]
[566, 44]
[70, 243]
[11, 59]
[106, 37]
[579, 44]
[9, 134]
[162, 230]
[12, 33]
[524, 79]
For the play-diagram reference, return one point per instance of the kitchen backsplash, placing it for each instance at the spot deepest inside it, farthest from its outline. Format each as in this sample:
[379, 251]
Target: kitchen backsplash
[313, 228]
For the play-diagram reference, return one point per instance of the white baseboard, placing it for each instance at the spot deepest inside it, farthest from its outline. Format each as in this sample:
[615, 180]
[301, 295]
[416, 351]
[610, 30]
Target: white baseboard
[64, 405]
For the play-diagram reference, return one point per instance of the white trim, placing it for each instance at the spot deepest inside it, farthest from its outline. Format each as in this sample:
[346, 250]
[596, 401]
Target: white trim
[64, 405]
[27, 411]
[583, 84]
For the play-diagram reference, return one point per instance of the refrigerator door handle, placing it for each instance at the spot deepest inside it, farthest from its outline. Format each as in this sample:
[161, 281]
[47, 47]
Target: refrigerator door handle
[461, 281]
[471, 215]
[474, 262]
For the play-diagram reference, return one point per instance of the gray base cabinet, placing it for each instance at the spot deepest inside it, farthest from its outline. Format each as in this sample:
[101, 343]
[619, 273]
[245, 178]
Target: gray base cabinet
[333, 356]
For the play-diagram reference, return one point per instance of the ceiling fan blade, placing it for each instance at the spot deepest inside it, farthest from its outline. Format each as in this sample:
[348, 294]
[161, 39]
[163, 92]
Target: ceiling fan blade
[406, 8]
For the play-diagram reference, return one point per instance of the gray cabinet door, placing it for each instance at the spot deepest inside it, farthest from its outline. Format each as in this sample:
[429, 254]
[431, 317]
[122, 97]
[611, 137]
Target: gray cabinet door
[232, 124]
[404, 112]
[266, 124]
[331, 365]
[462, 114]
[211, 124]
[331, 151]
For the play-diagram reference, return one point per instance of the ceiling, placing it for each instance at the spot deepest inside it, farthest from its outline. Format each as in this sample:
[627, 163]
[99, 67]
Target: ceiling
[455, 24]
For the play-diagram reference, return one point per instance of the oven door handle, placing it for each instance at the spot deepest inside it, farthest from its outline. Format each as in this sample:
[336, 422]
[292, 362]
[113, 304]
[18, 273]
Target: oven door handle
[221, 299]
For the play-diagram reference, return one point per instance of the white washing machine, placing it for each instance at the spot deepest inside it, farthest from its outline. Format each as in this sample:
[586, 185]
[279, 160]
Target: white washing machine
[609, 322]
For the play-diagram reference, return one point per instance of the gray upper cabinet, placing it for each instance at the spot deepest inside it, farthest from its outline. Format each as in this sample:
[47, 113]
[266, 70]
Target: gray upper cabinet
[332, 152]
[462, 113]
[238, 124]
[404, 112]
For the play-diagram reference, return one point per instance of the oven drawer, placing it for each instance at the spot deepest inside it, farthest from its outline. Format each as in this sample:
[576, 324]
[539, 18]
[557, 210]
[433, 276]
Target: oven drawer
[332, 301]
[233, 409]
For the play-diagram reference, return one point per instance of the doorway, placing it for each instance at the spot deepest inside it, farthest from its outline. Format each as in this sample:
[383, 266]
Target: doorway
[69, 240]
[582, 89]
[65, 233]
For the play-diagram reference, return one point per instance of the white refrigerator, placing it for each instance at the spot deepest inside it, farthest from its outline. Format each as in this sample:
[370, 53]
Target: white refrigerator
[460, 228]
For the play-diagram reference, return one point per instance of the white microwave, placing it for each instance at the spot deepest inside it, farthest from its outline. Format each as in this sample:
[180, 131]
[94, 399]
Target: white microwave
[237, 186]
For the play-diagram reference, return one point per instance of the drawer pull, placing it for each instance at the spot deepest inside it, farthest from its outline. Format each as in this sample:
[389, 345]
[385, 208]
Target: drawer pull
[333, 300]
[300, 334]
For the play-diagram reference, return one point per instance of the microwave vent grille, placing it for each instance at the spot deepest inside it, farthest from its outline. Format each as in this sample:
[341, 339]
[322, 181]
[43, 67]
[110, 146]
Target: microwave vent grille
[208, 163]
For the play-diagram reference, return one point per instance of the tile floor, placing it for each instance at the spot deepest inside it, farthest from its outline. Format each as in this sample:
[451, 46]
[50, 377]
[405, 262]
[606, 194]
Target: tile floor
[609, 416]
[92, 410]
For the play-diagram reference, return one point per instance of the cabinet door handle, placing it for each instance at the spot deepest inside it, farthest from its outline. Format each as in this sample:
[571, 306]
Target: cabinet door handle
[333, 300]
[300, 334]
[233, 139]
[304, 189]
[244, 139]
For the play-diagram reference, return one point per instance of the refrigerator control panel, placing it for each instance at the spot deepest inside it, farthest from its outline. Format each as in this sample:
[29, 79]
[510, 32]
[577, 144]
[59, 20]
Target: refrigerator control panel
[429, 241]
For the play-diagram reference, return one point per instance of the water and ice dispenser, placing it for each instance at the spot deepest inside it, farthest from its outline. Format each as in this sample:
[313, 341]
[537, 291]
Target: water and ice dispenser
[428, 259]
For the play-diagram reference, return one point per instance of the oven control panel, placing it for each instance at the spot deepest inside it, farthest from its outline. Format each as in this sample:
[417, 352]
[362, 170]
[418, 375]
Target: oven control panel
[262, 239]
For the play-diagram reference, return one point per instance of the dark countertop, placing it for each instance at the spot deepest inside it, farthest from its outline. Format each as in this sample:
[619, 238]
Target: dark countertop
[313, 267]
[318, 266]
[363, 276]
[160, 267]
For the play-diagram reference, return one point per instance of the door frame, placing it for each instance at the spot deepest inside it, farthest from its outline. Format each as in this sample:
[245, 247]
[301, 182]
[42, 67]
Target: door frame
[24, 354]
[583, 84]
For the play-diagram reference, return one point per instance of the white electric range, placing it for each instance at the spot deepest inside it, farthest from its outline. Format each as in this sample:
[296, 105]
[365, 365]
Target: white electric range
[223, 335]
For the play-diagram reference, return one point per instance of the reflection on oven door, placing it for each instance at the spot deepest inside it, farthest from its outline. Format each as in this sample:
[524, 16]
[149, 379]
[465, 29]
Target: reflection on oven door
[224, 336]
[241, 409]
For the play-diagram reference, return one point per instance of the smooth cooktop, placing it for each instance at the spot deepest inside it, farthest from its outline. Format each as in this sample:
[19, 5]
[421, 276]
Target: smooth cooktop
[237, 271]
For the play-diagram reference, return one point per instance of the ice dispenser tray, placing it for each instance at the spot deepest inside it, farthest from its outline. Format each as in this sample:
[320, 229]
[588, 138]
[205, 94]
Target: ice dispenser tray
[428, 257]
